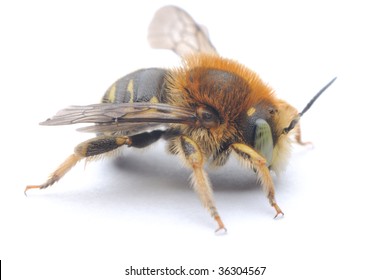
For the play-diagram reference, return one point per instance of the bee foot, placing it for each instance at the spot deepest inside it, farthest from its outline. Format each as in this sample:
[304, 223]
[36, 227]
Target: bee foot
[32, 187]
[221, 229]
[304, 143]
[278, 210]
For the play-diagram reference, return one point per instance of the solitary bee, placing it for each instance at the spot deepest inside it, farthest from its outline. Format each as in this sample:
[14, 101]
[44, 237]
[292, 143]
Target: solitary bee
[206, 110]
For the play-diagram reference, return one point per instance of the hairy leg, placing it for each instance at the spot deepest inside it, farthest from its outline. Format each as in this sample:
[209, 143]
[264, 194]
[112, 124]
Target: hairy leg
[194, 158]
[257, 162]
[88, 149]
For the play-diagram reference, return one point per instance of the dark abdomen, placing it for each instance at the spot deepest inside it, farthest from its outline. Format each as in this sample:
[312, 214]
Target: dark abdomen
[145, 85]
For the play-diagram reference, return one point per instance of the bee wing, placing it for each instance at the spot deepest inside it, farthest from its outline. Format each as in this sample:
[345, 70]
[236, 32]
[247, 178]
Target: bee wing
[130, 117]
[128, 128]
[174, 29]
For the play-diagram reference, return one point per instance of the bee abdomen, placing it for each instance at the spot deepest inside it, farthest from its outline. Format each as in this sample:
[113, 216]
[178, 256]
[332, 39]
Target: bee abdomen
[145, 85]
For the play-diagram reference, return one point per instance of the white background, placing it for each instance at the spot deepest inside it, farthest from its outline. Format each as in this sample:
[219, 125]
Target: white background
[139, 209]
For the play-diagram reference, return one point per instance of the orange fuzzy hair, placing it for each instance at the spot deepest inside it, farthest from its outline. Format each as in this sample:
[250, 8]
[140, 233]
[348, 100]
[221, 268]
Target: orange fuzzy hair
[246, 88]
[224, 85]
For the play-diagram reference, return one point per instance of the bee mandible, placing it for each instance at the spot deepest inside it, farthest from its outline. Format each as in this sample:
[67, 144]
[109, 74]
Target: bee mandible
[206, 110]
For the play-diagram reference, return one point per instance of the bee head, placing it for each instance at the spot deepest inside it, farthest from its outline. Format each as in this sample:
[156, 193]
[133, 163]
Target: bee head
[269, 126]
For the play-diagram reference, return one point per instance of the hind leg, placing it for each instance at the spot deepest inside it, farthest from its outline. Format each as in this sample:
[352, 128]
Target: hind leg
[88, 149]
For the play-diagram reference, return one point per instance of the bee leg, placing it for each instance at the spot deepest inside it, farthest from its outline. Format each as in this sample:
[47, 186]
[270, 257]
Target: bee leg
[258, 163]
[199, 178]
[88, 149]
[298, 136]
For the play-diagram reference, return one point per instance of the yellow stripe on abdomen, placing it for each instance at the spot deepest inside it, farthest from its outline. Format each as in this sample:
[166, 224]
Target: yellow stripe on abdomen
[112, 93]
[130, 90]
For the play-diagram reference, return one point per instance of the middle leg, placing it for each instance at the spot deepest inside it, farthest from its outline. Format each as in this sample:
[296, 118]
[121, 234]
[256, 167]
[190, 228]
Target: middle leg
[200, 181]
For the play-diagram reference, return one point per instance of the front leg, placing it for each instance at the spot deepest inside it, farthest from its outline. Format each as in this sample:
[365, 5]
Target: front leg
[194, 158]
[251, 157]
[297, 136]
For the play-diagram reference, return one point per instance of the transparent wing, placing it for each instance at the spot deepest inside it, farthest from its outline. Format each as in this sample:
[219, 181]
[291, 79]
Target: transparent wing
[174, 29]
[126, 128]
[130, 117]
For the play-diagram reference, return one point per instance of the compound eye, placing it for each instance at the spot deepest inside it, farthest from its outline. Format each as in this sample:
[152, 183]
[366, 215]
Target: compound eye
[208, 117]
[263, 142]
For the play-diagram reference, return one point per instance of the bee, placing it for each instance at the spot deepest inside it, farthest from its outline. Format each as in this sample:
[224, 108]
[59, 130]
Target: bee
[206, 110]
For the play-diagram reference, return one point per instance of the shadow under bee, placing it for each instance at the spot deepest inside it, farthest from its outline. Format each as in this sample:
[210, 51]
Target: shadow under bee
[156, 165]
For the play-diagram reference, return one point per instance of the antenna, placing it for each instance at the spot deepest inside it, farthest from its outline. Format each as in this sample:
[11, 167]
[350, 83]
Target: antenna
[310, 103]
